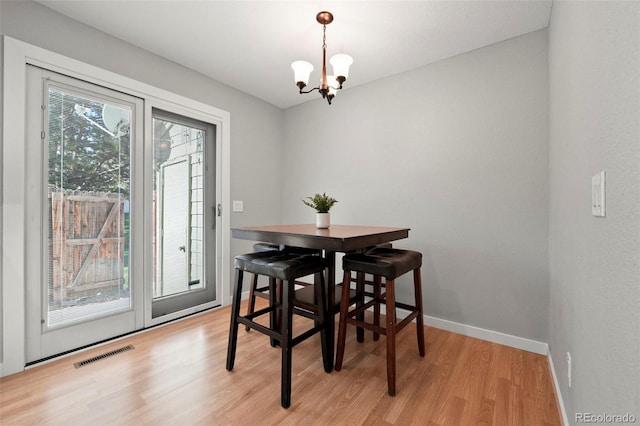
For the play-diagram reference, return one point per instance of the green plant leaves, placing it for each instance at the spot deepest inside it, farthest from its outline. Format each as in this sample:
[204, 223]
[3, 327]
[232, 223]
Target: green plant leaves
[322, 203]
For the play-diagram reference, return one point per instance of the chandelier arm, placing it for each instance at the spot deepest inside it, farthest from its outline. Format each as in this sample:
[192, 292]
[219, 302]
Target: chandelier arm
[302, 92]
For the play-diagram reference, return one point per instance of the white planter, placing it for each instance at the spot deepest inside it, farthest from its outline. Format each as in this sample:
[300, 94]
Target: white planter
[322, 220]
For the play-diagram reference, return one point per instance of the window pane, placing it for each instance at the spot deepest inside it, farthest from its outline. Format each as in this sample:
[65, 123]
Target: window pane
[178, 206]
[88, 208]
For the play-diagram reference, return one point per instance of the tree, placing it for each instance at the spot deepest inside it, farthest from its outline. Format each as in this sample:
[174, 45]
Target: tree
[83, 154]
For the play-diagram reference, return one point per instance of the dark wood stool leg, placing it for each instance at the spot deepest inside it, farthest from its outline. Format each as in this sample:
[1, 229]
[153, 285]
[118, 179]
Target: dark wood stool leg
[251, 305]
[417, 284]
[391, 337]
[377, 294]
[285, 343]
[274, 321]
[235, 312]
[278, 292]
[360, 302]
[342, 323]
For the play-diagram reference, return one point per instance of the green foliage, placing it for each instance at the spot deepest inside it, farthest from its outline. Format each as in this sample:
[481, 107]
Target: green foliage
[82, 156]
[322, 203]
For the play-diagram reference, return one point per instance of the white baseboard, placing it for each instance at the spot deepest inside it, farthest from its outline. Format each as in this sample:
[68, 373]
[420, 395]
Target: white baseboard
[489, 335]
[556, 384]
[481, 333]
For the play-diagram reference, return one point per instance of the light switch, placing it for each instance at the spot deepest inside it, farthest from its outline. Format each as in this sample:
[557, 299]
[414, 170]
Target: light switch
[238, 206]
[598, 195]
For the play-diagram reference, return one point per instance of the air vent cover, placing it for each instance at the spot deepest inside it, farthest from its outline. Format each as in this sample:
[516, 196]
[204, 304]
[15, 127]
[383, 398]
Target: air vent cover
[103, 356]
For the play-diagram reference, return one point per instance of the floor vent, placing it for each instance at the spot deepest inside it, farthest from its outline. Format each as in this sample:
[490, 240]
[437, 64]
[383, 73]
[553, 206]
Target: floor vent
[103, 356]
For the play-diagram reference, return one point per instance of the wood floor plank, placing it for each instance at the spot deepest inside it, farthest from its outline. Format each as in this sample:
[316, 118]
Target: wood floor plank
[176, 376]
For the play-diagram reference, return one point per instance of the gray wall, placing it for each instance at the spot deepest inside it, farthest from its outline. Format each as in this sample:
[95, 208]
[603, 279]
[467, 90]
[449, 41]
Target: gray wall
[594, 263]
[486, 156]
[458, 151]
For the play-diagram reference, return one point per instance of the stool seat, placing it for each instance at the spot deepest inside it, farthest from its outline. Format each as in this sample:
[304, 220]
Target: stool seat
[387, 262]
[279, 264]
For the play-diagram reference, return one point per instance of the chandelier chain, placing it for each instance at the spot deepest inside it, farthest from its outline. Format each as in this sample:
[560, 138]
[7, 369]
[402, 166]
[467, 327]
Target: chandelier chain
[324, 36]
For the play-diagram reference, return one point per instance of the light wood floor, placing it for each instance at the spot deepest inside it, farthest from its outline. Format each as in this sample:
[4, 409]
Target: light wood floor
[176, 376]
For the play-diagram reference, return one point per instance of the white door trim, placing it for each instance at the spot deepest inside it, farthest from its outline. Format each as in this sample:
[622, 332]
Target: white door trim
[17, 55]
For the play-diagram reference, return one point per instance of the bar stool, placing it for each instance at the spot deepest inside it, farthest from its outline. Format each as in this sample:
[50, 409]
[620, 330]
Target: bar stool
[263, 291]
[388, 263]
[286, 267]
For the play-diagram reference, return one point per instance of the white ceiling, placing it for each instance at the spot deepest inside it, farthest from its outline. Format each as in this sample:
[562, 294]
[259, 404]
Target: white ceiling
[250, 45]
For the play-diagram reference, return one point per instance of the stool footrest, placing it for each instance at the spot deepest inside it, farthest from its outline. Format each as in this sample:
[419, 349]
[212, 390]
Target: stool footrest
[261, 292]
[406, 307]
[362, 308]
[306, 314]
[277, 335]
[366, 325]
[413, 313]
[306, 335]
[407, 320]
[412, 309]
[259, 313]
[399, 326]
[259, 327]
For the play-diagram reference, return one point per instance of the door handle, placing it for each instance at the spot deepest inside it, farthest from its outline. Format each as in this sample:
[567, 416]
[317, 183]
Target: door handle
[182, 248]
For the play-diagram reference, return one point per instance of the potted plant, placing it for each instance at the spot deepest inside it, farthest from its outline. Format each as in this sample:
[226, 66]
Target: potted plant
[321, 203]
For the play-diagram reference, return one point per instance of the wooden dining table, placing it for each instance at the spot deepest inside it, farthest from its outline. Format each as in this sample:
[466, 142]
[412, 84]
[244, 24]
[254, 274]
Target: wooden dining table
[337, 238]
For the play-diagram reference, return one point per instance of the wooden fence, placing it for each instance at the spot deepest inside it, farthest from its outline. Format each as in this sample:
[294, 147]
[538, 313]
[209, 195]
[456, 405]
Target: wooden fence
[86, 245]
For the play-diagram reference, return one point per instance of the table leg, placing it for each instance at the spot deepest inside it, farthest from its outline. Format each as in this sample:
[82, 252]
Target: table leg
[331, 303]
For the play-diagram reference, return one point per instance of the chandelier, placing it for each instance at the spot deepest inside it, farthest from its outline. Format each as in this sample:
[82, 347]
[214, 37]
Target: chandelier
[329, 84]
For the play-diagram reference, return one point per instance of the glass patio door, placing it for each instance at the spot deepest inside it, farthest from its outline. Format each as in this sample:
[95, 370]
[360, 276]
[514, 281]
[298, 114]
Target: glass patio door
[122, 219]
[184, 197]
[82, 210]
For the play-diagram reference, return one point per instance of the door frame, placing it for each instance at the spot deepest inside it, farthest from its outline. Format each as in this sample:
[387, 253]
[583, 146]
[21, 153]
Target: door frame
[222, 223]
[17, 55]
